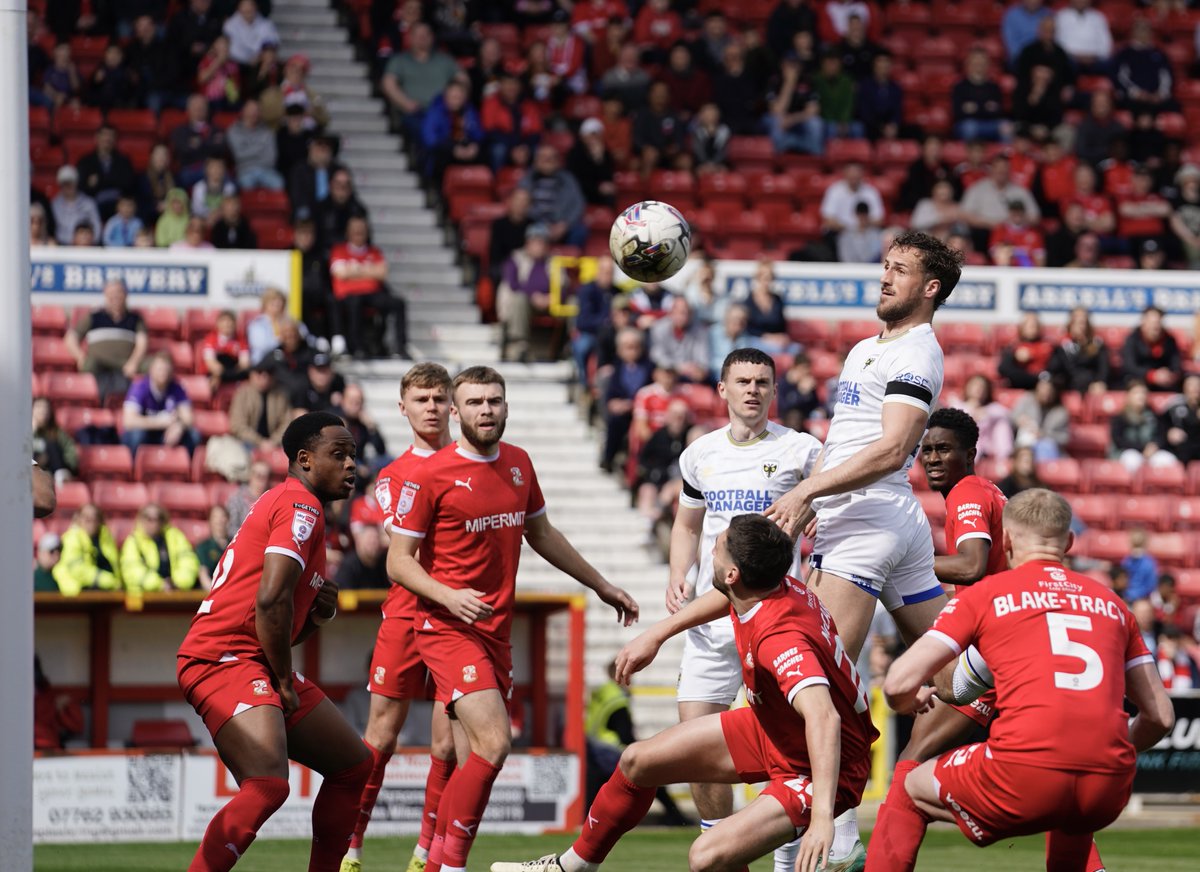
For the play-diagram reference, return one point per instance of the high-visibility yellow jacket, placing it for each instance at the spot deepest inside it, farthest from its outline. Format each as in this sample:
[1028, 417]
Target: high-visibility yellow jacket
[139, 561]
[78, 568]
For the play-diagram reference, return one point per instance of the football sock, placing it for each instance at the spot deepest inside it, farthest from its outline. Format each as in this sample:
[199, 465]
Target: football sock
[421, 853]
[438, 845]
[334, 813]
[845, 833]
[572, 862]
[379, 761]
[435, 784]
[785, 856]
[1068, 853]
[899, 829]
[234, 827]
[472, 788]
[1094, 863]
[707, 824]
[619, 806]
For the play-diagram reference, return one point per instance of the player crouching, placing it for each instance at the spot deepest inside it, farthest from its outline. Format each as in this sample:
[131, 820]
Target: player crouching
[807, 729]
[1064, 652]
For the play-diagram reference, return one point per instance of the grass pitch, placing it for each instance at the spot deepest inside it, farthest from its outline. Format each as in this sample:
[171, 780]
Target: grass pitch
[644, 850]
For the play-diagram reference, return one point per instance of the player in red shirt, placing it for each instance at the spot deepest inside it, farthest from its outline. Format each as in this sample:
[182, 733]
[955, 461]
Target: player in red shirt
[466, 510]
[235, 664]
[1016, 242]
[807, 729]
[397, 673]
[1064, 652]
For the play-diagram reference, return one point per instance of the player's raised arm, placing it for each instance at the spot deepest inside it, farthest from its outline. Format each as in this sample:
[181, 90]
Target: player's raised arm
[685, 540]
[273, 614]
[403, 567]
[546, 539]
[639, 653]
[823, 735]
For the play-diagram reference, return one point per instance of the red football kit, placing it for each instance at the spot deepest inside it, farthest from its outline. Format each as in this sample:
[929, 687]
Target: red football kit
[397, 670]
[222, 669]
[788, 642]
[469, 511]
[1058, 644]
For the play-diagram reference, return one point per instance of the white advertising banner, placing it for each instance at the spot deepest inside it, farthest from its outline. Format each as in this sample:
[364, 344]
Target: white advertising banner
[207, 786]
[107, 798]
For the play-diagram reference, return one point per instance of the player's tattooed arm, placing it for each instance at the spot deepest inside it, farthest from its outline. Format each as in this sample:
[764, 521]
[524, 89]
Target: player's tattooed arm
[402, 565]
[639, 653]
[273, 614]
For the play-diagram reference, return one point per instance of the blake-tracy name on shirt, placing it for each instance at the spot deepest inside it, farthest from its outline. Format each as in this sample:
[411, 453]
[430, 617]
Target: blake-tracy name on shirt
[1053, 601]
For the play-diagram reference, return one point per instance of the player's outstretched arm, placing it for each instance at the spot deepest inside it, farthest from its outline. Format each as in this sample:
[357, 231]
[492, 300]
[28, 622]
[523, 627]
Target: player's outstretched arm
[1155, 715]
[685, 540]
[823, 734]
[903, 426]
[639, 653]
[273, 614]
[904, 686]
[966, 567]
[402, 566]
[546, 539]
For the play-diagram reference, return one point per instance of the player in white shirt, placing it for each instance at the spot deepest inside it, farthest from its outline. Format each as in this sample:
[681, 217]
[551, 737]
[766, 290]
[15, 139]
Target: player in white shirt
[742, 467]
[872, 540]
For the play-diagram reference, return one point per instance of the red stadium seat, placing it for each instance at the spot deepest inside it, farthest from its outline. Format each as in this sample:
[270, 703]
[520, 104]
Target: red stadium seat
[850, 333]
[50, 354]
[198, 323]
[272, 233]
[896, 152]
[751, 151]
[797, 230]
[1098, 511]
[188, 500]
[962, 337]
[1187, 582]
[39, 120]
[133, 122]
[77, 388]
[1061, 475]
[195, 529]
[212, 422]
[1102, 407]
[1106, 476]
[77, 119]
[1152, 513]
[1173, 550]
[722, 190]
[463, 179]
[839, 152]
[120, 498]
[162, 321]
[75, 418]
[818, 427]
[768, 187]
[72, 496]
[268, 204]
[46, 155]
[1088, 441]
[916, 477]
[219, 492]
[1099, 545]
[49, 320]
[811, 333]
[583, 106]
[1185, 513]
[76, 145]
[162, 463]
[276, 459]
[170, 733]
[198, 388]
[1161, 480]
[934, 505]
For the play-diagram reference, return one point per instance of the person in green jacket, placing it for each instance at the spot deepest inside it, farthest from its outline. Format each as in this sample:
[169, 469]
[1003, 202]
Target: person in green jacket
[89, 555]
[158, 556]
[49, 552]
[172, 224]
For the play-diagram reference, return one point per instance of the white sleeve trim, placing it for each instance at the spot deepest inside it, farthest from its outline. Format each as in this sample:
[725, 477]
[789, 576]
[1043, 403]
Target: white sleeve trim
[977, 535]
[945, 640]
[286, 552]
[907, 400]
[416, 534]
[808, 682]
[536, 514]
[1138, 661]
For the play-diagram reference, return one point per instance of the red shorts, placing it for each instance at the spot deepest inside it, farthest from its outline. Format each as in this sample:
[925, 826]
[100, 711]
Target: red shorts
[756, 759]
[982, 710]
[996, 799]
[397, 670]
[218, 691]
[464, 662]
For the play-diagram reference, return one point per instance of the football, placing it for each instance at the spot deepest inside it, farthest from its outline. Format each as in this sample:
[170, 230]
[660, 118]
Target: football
[650, 241]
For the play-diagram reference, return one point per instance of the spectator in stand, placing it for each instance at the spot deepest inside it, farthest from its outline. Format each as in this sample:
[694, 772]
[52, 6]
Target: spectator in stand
[208, 193]
[566, 55]
[511, 122]
[788, 18]
[1098, 213]
[709, 140]
[90, 559]
[978, 102]
[1176, 667]
[863, 241]
[835, 20]
[523, 292]
[1143, 615]
[737, 93]
[841, 198]
[1150, 255]
[620, 317]
[115, 339]
[254, 150]
[1087, 252]
[157, 410]
[1143, 212]
[413, 78]
[659, 136]
[730, 333]
[680, 343]
[939, 213]
[618, 131]
[1166, 599]
[1021, 26]
[555, 198]
[293, 356]
[858, 51]
[292, 139]
[627, 80]
[589, 17]
[72, 207]
[1142, 568]
[262, 333]
[924, 173]
[985, 203]
[154, 184]
[309, 182]
[709, 47]
[1180, 422]
[1016, 242]
[508, 231]
[1135, 433]
[209, 550]
[49, 552]
[995, 430]
[84, 236]
[153, 66]
[835, 94]
[248, 31]
[156, 556]
[293, 89]
[106, 174]
[358, 272]
[632, 371]
[794, 122]
[1080, 362]
[450, 133]
[1185, 215]
[121, 230]
[231, 229]
[368, 441]
[365, 565]
[333, 214]
[592, 165]
[1060, 245]
[1042, 422]
[1151, 354]
[1083, 32]
[1095, 134]
[1142, 73]
[594, 300]
[53, 448]
[486, 72]
[651, 402]
[1038, 108]
[799, 394]
[225, 357]
[657, 28]
[1044, 51]
[321, 390]
[880, 101]
[190, 33]
[195, 236]
[606, 47]
[258, 415]
[1023, 363]
[690, 86]
[658, 480]
[1023, 475]
[975, 167]
[39, 227]
[61, 84]
[194, 141]
[219, 77]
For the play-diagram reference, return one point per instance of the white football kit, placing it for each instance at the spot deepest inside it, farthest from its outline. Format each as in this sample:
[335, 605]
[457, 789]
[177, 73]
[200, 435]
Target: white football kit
[728, 478]
[878, 537]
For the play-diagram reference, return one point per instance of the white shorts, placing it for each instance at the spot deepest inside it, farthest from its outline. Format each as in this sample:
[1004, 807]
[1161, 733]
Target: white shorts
[879, 540]
[711, 670]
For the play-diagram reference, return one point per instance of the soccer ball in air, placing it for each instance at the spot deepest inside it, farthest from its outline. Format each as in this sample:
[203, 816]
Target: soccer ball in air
[650, 241]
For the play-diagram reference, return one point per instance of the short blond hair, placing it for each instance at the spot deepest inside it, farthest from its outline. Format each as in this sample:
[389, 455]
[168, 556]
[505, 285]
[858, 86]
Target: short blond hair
[1039, 511]
[425, 375]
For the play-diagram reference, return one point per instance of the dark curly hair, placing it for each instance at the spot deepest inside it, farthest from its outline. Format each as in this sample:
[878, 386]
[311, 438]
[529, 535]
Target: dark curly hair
[959, 423]
[939, 261]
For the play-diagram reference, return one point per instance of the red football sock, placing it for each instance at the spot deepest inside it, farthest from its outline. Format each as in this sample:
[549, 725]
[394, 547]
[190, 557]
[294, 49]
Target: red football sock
[334, 814]
[437, 848]
[234, 827]
[1066, 853]
[472, 788]
[899, 829]
[439, 775]
[379, 762]
[619, 806]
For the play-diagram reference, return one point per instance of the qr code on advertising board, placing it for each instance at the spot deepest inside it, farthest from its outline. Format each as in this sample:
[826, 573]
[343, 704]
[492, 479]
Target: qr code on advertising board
[150, 779]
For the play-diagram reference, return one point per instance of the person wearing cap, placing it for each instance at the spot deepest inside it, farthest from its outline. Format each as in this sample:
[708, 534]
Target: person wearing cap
[523, 292]
[71, 206]
[49, 552]
[294, 90]
[322, 391]
[592, 165]
[1016, 242]
[110, 342]
[260, 411]
[248, 32]
[358, 272]
[413, 78]
[90, 560]
[254, 150]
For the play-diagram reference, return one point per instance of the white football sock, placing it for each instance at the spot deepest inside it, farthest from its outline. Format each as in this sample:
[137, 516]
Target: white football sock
[845, 833]
[785, 856]
[421, 853]
[354, 853]
[572, 862]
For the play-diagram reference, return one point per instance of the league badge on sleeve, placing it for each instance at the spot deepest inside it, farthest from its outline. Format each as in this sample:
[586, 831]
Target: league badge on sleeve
[303, 523]
[407, 496]
[383, 495]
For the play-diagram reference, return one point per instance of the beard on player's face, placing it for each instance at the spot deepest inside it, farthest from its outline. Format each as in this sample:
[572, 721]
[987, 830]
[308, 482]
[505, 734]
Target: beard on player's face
[898, 308]
[483, 438]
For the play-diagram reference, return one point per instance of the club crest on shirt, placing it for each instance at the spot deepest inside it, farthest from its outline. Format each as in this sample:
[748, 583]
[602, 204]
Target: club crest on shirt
[303, 523]
[749, 660]
[407, 496]
[870, 360]
[470, 676]
[769, 469]
[516, 474]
